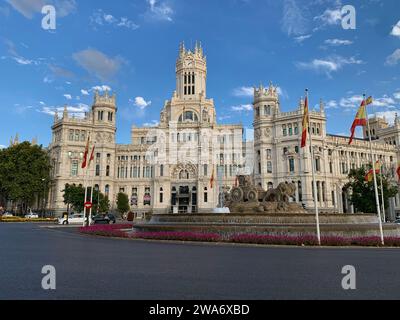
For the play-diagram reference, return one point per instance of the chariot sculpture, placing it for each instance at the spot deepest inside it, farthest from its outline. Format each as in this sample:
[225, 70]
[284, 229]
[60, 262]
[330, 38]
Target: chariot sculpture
[248, 198]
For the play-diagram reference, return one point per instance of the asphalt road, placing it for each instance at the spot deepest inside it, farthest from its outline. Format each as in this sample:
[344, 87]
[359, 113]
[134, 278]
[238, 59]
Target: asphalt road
[101, 268]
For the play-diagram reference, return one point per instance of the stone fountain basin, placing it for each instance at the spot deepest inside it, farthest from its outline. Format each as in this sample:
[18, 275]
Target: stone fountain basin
[348, 225]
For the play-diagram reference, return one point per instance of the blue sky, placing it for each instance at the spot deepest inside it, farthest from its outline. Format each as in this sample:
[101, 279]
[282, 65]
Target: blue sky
[131, 47]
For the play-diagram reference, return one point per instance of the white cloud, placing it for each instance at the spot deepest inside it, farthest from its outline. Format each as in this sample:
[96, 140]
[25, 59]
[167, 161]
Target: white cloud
[300, 39]
[385, 101]
[67, 96]
[12, 50]
[396, 30]
[294, 23]
[394, 58]
[328, 65]
[23, 61]
[331, 104]
[42, 103]
[160, 10]
[28, 8]
[329, 17]
[351, 102]
[242, 107]
[2, 146]
[243, 92]
[389, 116]
[153, 123]
[338, 42]
[282, 92]
[84, 92]
[101, 18]
[101, 88]
[77, 111]
[397, 95]
[98, 64]
[141, 103]
[355, 101]
[47, 79]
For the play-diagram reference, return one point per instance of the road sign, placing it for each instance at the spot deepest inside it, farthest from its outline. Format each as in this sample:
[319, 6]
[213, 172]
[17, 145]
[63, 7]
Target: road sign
[88, 205]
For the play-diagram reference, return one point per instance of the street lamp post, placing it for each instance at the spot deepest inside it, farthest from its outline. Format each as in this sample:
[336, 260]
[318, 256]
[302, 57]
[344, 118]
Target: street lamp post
[44, 197]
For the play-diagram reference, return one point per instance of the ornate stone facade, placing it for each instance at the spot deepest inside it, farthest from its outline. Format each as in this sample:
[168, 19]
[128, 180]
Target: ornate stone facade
[184, 163]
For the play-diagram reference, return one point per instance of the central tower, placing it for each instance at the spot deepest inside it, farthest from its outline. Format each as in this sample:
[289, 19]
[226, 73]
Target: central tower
[191, 73]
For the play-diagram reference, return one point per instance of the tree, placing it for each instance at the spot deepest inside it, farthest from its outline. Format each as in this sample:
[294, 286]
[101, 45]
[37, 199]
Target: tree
[74, 197]
[24, 173]
[101, 203]
[363, 193]
[122, 203]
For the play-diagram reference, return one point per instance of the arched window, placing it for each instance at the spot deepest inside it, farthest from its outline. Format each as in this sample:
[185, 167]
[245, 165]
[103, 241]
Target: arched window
[107, 190]
[205, 195]
[108, 171]
[161, 195]
[188, 116]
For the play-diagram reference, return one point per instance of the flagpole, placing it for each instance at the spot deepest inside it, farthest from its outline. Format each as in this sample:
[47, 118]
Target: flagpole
[85, 180]
[92, 183]
[313, 177]
[84, 200]
[383, 198]
[378, 208]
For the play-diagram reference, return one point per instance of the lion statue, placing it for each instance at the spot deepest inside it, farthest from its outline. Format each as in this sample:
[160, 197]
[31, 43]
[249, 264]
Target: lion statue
[281, 194]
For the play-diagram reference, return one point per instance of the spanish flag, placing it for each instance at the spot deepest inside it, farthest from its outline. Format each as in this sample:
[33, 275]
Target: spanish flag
[91, 156]
[398, 171]
[305, 124]
[370, 174]
[361, 118]
[212, 179]
[85, 155]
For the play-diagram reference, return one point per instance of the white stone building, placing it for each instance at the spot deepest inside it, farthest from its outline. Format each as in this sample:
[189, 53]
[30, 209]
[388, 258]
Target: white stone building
[169, 168]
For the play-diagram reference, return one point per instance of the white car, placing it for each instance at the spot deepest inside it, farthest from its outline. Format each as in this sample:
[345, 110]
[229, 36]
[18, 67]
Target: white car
[32, 216]
[7, 215]
[72, 219]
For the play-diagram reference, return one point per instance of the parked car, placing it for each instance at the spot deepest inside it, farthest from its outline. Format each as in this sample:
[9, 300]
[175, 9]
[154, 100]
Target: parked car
[77, 218]
[397, 221]
[32, 215]
[7, 215]
[104, 219]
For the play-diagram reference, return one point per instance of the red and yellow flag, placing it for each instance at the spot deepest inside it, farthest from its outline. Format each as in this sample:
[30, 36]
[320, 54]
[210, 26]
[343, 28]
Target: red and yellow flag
[212, 179]
[360, 120]
[305, 124]
[91, 156]
[85, 155]
[398, 170]
[370, 174]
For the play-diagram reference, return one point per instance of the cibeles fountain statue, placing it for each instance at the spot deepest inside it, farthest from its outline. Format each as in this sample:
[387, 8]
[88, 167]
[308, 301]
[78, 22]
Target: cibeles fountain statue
[248, 198]
[253, 210]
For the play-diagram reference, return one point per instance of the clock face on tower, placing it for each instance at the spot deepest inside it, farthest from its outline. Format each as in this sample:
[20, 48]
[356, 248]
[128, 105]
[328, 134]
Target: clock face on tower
[189, 63]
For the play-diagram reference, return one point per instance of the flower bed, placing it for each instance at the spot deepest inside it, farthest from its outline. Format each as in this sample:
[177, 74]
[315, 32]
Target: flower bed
[19, 219]
[302, 240]
[107, 230]
[182, 236]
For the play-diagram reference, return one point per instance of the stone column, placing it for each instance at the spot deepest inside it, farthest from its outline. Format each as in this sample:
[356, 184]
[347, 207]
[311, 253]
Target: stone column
[339, 199]
[319, 190]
